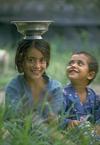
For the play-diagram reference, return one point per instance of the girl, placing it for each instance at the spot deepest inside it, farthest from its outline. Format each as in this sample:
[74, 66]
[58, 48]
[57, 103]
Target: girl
[33, 89]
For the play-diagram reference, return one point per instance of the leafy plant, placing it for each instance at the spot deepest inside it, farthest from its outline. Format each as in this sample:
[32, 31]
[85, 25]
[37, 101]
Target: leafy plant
[31, 129]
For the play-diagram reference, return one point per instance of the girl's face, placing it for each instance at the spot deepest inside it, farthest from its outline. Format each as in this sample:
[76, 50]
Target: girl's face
[34, 64]
[78, 69]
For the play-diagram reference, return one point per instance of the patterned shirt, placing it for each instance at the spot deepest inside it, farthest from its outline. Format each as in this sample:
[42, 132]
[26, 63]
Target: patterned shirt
[18, 96]
[75, 110]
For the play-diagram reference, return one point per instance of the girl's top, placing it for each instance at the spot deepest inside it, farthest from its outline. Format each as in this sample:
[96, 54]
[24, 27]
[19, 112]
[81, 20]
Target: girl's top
[19, 99]
[75, 110]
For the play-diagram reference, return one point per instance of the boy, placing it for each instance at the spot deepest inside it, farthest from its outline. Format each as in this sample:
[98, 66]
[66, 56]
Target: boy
[80, 100]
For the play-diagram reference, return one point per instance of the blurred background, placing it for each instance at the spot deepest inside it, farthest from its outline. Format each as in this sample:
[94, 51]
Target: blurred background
[76, 26]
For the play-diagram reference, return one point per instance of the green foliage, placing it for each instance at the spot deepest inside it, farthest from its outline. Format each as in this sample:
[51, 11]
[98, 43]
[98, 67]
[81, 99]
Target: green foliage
[57, 68]
[5, 78]
[32, 130]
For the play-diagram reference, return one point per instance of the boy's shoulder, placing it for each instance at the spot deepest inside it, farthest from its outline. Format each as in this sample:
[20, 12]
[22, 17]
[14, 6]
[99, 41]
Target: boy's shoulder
[91, 90]
[68, 86]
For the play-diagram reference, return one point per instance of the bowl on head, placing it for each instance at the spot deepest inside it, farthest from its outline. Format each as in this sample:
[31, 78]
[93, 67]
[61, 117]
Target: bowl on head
[32, 29]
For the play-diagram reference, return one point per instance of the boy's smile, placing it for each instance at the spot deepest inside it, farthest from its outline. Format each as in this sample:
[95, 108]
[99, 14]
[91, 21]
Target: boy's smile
[78, 68]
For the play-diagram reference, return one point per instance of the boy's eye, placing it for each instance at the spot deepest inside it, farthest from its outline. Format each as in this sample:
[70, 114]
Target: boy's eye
[80, 63]
[71, 62]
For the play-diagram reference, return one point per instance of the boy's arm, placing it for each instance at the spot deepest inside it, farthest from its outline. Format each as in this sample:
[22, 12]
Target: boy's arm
[97, 108]
[68, 121]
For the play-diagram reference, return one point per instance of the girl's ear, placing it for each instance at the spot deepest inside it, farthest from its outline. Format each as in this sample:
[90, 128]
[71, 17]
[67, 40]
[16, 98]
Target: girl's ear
[91, 75]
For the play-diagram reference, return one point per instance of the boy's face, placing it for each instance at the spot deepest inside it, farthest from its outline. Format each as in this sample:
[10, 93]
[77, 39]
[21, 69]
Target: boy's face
[34, 64]
[78, 69]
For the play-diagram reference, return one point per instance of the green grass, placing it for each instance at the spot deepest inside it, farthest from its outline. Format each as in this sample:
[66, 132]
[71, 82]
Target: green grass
[31, 130]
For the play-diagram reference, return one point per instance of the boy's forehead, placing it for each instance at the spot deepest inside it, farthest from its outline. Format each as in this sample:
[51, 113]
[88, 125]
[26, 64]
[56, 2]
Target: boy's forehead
[80, 57]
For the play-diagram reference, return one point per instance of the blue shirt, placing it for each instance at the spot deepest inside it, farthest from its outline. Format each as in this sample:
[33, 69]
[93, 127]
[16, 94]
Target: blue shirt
[18, 96]
[75, 110]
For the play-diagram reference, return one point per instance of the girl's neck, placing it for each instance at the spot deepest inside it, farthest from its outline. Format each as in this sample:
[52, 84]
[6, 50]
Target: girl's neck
[37, 86]
[36, 82]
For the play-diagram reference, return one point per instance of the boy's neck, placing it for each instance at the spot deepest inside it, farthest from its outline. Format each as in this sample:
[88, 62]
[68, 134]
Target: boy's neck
[79, 86]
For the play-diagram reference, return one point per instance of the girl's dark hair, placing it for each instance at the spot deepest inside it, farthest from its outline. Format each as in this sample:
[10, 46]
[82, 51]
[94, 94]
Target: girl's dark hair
[39, 44]
[93, 64]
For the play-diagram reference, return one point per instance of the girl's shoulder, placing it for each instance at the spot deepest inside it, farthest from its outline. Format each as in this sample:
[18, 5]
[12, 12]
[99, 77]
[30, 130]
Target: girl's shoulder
[53, 83]
[16, 82]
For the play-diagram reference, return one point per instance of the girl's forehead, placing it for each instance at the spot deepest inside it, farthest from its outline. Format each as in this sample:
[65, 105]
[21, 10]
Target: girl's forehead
[34, 51]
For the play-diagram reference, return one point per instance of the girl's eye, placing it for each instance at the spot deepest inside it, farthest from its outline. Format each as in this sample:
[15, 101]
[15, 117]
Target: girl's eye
[34, 60]
[30, 60]
[42, 60]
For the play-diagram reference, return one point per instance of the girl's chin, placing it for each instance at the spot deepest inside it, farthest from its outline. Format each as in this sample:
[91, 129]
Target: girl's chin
[36, 77]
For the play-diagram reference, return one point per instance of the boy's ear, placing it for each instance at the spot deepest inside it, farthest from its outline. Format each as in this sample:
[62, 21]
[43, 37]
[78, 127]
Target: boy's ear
[91, 75]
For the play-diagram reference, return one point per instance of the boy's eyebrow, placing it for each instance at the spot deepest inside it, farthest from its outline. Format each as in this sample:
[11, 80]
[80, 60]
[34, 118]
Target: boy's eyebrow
[76, 61]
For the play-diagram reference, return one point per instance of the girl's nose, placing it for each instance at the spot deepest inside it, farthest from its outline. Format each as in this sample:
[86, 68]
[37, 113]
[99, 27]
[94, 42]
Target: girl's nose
[37, 63]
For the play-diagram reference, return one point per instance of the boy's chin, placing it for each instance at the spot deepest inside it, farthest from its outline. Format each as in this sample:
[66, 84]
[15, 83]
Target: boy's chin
[72, 78]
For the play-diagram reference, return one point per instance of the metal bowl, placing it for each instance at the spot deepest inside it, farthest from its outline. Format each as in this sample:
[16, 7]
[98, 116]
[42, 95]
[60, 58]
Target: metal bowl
[32, 29]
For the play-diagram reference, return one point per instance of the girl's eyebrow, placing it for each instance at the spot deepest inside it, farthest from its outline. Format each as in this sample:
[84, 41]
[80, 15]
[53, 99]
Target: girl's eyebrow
[34, 57]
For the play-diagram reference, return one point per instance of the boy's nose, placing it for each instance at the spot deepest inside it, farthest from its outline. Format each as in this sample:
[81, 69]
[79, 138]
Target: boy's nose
[74, 64]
